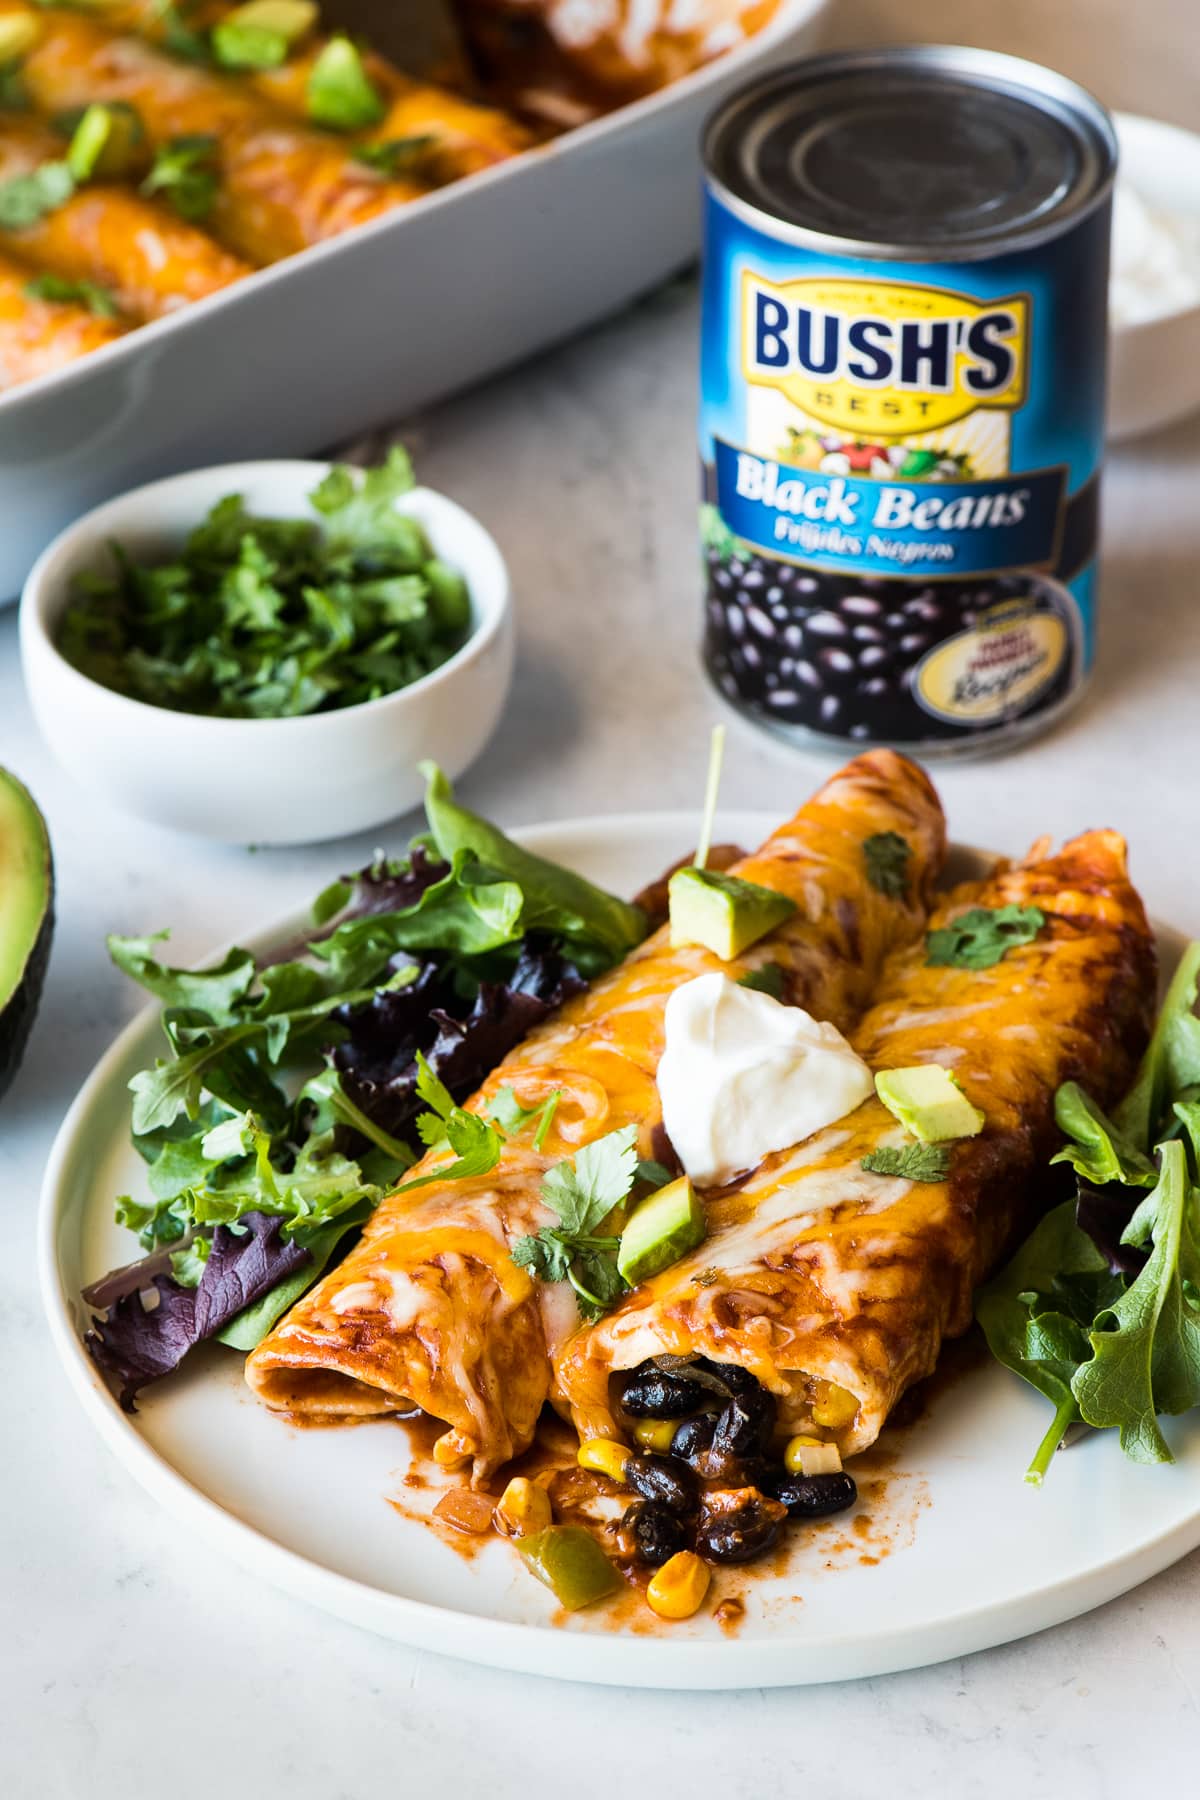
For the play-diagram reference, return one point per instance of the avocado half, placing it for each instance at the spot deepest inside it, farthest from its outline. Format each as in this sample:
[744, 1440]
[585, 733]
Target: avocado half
[26, 919]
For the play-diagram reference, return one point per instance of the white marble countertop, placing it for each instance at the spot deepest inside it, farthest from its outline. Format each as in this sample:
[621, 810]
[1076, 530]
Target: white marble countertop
[129, 1661]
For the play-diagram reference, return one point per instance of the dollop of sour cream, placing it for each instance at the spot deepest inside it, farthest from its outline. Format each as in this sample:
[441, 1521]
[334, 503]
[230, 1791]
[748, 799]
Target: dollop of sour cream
[743, 1075]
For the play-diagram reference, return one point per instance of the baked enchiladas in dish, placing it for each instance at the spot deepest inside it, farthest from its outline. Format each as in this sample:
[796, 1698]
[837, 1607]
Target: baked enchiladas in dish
[713, 1199]
[151, 154]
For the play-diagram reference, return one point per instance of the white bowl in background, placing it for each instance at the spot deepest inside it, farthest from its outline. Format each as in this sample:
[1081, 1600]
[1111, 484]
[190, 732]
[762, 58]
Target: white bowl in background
[1154, 375]
[263, 781]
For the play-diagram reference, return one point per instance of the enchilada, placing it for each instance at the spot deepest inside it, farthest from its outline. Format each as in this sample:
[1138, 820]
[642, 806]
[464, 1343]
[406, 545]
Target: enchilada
[430, 1309]
[834, 1286]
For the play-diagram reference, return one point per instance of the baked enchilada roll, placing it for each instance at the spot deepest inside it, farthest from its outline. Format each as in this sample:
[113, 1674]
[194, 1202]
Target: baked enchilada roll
[430, 1309]
[278, 187]
[834, 1284]
[39, 333]
[459, 136]
[148, 259]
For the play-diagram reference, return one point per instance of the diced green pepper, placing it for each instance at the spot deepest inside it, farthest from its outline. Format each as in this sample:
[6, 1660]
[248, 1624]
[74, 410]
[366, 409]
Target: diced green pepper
[570, 1562]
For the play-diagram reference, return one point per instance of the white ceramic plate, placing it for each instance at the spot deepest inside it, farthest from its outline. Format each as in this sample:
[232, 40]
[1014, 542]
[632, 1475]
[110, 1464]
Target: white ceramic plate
[956, 1555]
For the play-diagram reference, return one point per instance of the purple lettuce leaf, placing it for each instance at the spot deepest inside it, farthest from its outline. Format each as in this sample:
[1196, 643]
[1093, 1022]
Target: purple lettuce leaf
[462, 1040]
[1102, 1213]
[136, 1344]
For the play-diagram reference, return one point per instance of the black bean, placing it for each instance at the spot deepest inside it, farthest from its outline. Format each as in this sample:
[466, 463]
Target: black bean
[825, 625]
[741, 1535]
[657, 1533]
[693, 1437]
[651, 1393]
[859, 606]
[735, 1378]
[664, 1479]
[745, 1426]
[835, 662]
[813, 1496]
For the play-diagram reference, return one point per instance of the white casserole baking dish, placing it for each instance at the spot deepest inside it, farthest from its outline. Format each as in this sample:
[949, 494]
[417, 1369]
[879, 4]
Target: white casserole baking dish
[388, 318]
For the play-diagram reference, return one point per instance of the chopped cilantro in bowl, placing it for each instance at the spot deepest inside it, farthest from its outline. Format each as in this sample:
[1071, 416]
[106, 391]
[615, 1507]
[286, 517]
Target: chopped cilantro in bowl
[272, 618]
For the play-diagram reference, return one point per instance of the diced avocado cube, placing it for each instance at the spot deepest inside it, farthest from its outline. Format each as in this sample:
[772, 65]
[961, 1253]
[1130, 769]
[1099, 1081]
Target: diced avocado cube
[929, 1103]
[665, 1227]
[723, 913]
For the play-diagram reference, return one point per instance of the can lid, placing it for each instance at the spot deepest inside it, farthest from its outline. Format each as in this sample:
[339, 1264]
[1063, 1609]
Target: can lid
[913, 151]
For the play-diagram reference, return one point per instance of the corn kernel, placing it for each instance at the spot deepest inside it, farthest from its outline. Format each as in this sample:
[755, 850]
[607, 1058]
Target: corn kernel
[522, 1509]
[677, 1590]
[809, 1456]
[836, 1408]
[604, 1456]
[656, 1434]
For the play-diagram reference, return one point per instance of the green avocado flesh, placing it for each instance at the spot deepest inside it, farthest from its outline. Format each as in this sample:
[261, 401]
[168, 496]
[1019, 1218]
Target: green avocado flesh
[26, 918]
[723, 913]
[665, 1227]
[929, 1103]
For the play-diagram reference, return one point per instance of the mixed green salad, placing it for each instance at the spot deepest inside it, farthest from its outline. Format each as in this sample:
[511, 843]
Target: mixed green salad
[262, 618]
[297, 1090]
[1100, 1307]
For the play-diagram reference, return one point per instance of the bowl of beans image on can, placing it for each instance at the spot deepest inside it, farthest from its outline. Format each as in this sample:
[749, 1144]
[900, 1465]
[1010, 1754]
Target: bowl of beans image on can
[902, 397]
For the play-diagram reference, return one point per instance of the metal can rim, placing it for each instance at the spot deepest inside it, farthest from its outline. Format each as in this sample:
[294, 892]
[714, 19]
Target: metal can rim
[1031, 77]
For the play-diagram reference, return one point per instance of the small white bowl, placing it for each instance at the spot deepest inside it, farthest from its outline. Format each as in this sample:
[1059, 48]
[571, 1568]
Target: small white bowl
[263, 781]
[1154, 374]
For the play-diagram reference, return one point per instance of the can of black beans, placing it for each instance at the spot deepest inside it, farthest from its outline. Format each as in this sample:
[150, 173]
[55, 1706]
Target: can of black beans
[902, 396]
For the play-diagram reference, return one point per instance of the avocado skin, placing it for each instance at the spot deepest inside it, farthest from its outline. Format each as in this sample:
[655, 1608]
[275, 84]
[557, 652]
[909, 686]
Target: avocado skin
[16, 1018]
[16, 1021]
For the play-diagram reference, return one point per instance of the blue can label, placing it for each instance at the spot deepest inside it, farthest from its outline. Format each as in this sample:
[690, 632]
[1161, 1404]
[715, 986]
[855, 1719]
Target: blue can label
[901, 471]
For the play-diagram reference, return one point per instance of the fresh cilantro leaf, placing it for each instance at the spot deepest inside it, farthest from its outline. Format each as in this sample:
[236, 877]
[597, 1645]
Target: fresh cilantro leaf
[545, 1256]
[511, 1117]
[14, 96]
[887, 856]
[653, 1173]
[275, 618]
[979, 938]
[583, 1191]
[180, 38]
[768, 978]
[912, 1162]
[396, 156]
[185, 173]
[475, 1141]
[360, 507]
[340, 93]
[24, 199]
[88, 294]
